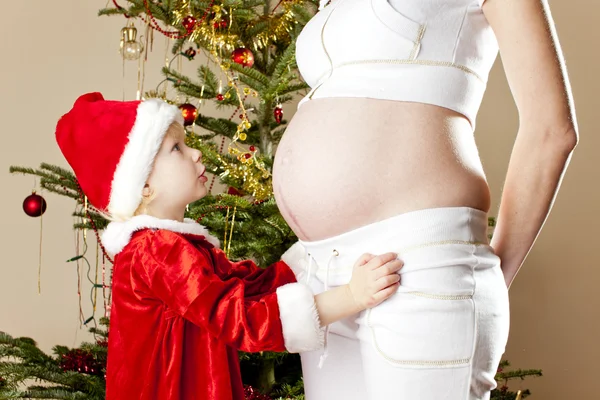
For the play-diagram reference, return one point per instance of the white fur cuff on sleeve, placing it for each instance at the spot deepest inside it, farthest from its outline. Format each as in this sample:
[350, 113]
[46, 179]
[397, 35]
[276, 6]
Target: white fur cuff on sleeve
[295, 257]
[299, 318]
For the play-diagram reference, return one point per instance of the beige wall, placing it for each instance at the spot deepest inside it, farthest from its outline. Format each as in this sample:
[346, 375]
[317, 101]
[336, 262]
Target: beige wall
[49, 58]
[555, 300]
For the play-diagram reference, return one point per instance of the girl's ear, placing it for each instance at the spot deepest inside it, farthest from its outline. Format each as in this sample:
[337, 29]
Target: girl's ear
[147, 191]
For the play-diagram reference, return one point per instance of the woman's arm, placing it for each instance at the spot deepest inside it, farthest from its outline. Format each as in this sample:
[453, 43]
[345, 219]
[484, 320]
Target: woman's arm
[548, 132]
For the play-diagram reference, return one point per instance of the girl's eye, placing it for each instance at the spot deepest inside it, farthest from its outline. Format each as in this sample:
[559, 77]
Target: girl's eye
[176, 147]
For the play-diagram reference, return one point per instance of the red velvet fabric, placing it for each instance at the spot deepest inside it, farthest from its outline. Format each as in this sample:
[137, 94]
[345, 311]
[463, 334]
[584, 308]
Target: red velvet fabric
[180, 310]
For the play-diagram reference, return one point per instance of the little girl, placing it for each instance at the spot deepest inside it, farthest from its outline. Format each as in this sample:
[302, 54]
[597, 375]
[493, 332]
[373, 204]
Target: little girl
[180, 309]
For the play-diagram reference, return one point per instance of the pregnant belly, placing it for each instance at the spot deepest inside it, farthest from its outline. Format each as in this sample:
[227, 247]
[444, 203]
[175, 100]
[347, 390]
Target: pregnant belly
[345, 163]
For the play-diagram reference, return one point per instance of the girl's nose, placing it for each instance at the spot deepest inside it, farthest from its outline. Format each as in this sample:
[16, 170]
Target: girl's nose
[197, 155]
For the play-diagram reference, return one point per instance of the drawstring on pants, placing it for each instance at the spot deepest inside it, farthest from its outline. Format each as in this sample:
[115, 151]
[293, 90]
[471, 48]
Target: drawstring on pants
[310, 260]
[325, 350]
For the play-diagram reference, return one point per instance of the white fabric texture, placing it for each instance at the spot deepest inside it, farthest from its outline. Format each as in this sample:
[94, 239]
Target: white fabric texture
[441, 336]
[434, 51]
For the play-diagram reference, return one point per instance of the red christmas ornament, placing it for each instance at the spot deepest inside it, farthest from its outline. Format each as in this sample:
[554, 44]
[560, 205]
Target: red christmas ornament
[81, 361]
[247, 156]
[222, 24]
[189, 112]
[220, 97]
[278, 113]
[34, 205]
[252, 148]
[189, 23]
[252, 394]
[243, 56]
[234, 192]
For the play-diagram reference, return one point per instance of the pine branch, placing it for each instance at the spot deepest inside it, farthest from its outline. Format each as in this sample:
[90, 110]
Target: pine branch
[303, 14]
[284, 62]
[111, 11]
[519, 373]
[262, 81]
[257, 28]
[294, 88]
[277, 134]
[40, 392]
[183, 83]
[218, 126]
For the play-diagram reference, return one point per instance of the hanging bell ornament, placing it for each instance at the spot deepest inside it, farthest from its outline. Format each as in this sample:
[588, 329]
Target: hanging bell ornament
[130, 48]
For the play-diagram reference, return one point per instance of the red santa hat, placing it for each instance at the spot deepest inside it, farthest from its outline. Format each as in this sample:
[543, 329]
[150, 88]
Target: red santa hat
[111, 146]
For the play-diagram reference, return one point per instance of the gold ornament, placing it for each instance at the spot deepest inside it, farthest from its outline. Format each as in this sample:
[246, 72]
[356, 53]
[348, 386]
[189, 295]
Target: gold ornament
[130, 48]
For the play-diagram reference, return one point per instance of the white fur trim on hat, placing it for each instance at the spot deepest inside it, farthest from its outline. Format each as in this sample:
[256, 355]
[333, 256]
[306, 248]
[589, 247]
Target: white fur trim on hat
[153, 119]
[300, 323]
[118, 234]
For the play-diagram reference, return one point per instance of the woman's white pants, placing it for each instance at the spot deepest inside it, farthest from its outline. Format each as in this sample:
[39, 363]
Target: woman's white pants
[440, 337]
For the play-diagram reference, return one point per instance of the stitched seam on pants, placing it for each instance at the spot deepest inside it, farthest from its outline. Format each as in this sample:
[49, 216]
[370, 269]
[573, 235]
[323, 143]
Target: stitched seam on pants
[407, 249]
[442, 296]
[440, 243]
[475, 319]
[440, 363]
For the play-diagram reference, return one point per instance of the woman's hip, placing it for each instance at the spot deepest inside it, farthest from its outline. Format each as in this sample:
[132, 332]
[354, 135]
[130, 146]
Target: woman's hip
[450, 282]
[442, 249]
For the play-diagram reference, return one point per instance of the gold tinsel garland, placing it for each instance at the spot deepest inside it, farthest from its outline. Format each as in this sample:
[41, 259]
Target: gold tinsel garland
[250, 169]
[253, 180]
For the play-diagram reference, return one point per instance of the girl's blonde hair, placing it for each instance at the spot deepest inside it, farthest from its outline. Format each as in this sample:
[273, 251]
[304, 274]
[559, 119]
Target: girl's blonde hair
[143, 207]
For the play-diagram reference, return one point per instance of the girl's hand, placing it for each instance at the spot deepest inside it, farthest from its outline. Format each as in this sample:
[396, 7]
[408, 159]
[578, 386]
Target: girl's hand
[374, 279]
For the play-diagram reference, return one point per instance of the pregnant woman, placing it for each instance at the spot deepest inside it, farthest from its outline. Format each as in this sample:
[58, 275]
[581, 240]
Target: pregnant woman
[380, 157]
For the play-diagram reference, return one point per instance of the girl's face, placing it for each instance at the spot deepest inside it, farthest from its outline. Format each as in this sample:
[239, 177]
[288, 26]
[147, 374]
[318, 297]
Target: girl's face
[177, 177]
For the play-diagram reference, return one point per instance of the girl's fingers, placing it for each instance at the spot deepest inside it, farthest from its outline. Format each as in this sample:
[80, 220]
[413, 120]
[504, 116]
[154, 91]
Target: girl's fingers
[382, 259]
[386, 293]
[391, 267]
[386, 281]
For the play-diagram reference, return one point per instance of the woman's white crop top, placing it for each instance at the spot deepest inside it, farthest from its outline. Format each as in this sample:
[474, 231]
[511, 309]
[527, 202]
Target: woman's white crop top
[429, 51]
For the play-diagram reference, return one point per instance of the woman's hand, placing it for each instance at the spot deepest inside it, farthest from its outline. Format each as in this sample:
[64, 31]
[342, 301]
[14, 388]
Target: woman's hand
[374, 279]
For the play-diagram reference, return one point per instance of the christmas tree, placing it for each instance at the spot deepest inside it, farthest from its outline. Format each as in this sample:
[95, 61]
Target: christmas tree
[252, 72]
[68, 374]
[502, 392]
